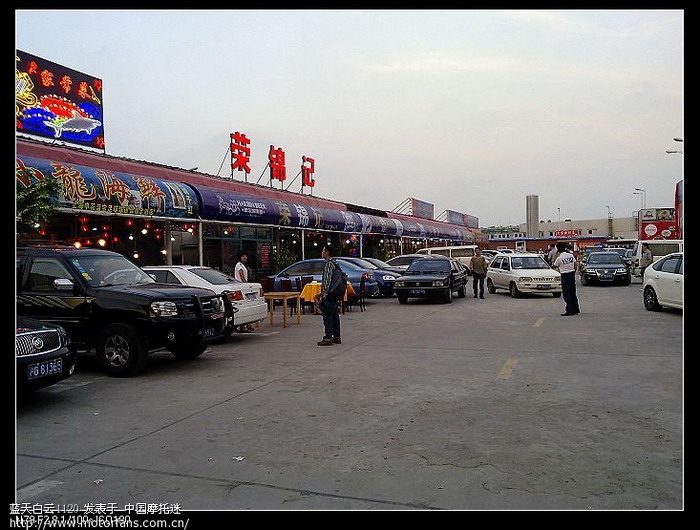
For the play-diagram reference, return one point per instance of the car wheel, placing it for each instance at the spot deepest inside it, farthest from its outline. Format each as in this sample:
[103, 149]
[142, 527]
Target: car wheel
[462, 291]
[402, 299]
[448, 296]
[120, 350]
[651, 302]
[490, 287]
[514, 290]
[188, 350]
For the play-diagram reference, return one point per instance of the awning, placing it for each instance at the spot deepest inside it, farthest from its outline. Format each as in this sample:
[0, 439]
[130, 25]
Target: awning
[233, 207]
[108, 192]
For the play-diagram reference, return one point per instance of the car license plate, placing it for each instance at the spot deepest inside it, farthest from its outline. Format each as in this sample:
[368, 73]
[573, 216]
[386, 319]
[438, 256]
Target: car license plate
[417, 291]
[544, 286]
[45, 368]
[250, 296]
[606, 276]
[209, 332]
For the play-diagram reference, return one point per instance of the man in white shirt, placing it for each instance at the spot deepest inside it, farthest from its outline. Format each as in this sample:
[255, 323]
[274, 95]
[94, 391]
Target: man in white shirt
[566, 264]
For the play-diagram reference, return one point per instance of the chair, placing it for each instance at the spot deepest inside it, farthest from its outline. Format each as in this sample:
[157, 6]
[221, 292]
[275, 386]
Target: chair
[304, 280]
[286, 284]
[267, 284]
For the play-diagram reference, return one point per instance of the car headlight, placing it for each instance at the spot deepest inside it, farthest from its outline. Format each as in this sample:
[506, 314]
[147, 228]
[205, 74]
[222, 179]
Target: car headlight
[398, 284]
[621, 270]
[163, 309]
[217, 304]
[388, 277]
[440, 283]
[525, 279]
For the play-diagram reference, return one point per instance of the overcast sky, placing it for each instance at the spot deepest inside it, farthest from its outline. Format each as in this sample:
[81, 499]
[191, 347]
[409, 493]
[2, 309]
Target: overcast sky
[471, 110]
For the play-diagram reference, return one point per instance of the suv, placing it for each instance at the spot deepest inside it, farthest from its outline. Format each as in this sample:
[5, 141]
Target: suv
[108, 304]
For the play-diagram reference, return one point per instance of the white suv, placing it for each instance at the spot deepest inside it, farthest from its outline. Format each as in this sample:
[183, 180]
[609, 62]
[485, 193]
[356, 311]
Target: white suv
[246, 297]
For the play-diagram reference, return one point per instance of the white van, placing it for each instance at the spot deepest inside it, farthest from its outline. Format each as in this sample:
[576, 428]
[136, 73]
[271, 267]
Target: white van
[658, 247]
[462, 253]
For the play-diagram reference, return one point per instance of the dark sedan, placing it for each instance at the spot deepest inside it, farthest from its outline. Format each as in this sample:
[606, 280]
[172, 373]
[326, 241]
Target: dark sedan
[432, 278]
[385, 279]
[605, 268]
[43, 353]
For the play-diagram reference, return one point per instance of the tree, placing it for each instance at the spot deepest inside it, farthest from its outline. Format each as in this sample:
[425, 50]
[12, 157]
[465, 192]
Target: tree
[35, 204]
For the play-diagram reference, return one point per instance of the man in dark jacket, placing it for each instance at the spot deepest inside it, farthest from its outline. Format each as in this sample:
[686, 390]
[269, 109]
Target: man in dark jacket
[329, 303]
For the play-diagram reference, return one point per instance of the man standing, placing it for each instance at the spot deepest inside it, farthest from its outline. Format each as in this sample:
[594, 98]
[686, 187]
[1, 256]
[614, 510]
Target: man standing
[566, 264]
[646, 259]
[551, 254]
[329, 303]
[478, 264]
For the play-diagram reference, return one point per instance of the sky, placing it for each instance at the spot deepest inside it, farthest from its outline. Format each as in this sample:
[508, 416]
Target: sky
[470, 110]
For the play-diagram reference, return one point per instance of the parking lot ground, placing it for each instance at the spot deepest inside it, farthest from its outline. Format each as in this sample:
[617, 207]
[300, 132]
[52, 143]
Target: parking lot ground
[494, 404]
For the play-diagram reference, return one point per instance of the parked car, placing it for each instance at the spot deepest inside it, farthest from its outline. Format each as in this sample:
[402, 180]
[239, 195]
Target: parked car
[658, 248]
[401, 263]
[314, 267]
[432, 277]
[246, 298]
[605, 268]
[44, 354]
[383, 265]
[385, 279]
[109, 305]
[489, 255]
[522, 273]
[663, 283]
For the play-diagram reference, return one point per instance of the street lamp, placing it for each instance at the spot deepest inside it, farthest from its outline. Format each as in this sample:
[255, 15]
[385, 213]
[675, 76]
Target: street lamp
[609, 212]
[643, 193]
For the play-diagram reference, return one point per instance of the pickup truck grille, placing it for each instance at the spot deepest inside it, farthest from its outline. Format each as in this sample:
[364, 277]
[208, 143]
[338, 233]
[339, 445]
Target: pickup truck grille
[37, 342]
[189, 306]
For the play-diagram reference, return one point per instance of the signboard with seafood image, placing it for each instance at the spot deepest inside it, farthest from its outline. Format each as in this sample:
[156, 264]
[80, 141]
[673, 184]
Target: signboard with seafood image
[56, 102]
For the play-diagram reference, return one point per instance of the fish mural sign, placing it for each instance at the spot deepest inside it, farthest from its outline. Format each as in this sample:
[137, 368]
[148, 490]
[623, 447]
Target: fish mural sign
[56, 102]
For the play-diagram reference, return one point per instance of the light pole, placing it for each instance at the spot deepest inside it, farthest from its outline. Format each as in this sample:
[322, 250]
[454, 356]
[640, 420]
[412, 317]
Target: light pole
[643, 193]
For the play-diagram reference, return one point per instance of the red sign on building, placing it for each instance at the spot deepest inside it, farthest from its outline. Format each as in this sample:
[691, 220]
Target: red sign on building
[567, 233]
[307, 172]
[240, 152]
[278, 169]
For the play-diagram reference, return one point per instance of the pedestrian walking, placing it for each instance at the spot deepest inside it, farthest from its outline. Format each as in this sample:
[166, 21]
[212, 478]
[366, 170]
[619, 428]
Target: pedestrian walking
[551, 254]
[646, 259]
[240, 273]
[328, 301]
[478, 265]
[566, 264]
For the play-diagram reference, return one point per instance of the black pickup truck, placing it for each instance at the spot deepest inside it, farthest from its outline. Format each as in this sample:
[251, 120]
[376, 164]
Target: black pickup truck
[109, 305]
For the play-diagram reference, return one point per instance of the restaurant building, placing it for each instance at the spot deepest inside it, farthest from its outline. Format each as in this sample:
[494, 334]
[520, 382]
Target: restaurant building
[157, 214]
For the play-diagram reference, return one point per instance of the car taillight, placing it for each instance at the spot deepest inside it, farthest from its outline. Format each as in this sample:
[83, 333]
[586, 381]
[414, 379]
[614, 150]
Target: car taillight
[366, 275]
[261, 292]
[235, 295]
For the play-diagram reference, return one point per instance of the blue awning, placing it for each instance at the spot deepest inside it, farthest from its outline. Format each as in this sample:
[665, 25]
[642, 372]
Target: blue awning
[109, 192]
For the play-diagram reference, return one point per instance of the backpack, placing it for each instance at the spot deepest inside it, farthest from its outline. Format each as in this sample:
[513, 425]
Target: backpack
[339, 283]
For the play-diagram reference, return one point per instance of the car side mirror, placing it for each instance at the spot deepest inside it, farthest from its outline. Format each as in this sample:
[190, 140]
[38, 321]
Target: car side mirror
[63, 284]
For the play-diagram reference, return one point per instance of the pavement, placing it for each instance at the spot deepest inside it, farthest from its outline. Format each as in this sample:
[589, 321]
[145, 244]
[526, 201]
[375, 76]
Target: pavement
[497, 404]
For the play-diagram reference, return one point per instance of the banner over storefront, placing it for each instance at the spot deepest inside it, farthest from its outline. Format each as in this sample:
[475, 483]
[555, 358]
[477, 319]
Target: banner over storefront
[103, 191]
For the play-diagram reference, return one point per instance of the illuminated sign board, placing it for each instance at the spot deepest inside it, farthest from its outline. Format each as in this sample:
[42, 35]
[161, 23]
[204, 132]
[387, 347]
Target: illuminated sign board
[56, 102]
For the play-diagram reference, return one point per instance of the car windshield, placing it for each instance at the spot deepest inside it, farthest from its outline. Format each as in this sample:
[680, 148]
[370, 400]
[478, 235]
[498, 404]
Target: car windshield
[533, 262]
[402, 260]
[429, 265]
[213, 276]
[362, 263]
[604, 258]
[379, 263]
[101, 271]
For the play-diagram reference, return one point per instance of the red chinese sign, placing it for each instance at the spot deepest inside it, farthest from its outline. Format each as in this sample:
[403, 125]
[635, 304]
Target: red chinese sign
[240, 152]
[567, 233]
[278, 169]
[307, 172]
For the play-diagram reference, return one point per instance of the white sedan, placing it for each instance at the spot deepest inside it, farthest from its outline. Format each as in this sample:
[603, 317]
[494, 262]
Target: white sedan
[522, 273]
[246, 297]
[663, 283]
